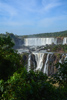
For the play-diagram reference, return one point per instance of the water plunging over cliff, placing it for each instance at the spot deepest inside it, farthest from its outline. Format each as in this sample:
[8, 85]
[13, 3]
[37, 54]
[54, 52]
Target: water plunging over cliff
[29, 58]
[43, 41]
[39, 60]
[46, 65]
[39, 41]
[45, 62]
[65, 40]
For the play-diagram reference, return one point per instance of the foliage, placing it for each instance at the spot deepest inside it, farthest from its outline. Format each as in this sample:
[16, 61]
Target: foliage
[14, 38]
[23, 87]
[60, 48]
[54, 34]
[30, 86]
[9, 59]
[56, 48]
[5, 43]
[61, 76]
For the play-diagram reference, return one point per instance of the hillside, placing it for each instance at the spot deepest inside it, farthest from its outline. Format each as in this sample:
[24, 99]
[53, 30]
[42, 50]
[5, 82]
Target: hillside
[54, 34]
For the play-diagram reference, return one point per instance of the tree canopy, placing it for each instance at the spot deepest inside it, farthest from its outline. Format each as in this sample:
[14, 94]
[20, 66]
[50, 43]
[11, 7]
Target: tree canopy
[9, 59]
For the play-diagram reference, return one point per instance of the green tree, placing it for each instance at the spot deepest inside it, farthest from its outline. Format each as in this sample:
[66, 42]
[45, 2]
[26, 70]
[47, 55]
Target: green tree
[27, 86]
[61, 76]
[9, 59]
[30, 86]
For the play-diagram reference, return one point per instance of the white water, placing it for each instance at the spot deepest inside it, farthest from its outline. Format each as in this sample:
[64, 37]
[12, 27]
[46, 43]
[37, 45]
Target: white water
[29, 58]
[39, 57]
[39, 41]
[65, 40]
[39, 60]
[60, 61]
[46, 65]
[65, 57]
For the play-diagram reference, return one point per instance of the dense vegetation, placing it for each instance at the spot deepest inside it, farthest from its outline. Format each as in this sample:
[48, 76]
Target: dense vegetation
[54, 34]
[56, 48]
[9, 59]
[14, 38]
[18, 84]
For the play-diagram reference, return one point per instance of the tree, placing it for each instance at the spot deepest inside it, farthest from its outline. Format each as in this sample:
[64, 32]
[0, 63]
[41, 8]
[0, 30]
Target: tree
[61, 76]
[30, 86]
[27, 86]
[9, 59]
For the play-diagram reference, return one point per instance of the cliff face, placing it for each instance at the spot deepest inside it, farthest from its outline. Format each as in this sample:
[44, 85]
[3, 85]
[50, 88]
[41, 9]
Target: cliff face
[60, 40]
[18, 43]
[44, 62]
[44, 41]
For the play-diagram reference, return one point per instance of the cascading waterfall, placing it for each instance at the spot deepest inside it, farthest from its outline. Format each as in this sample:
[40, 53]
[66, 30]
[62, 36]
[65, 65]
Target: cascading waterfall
[46, 65]
[65, 57]
[65, 40]
[39, 60]
[39, 41]
[60, 61]
[29, 58]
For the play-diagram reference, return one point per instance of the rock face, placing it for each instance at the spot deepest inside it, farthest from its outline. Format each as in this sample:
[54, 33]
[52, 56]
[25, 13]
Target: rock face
[24, 59]
[18, 43]
[45, 62]
[33, 62]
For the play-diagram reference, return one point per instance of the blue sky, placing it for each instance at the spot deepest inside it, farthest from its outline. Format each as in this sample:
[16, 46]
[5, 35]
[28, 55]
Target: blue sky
[24, 17]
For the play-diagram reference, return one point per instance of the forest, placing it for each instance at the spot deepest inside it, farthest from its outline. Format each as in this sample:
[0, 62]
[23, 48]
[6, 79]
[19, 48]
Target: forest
[56, 48]
[18, 84]
[52, 34]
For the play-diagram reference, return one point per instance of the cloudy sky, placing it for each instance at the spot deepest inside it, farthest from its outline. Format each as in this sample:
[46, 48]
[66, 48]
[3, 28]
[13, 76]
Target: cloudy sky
[23, 17]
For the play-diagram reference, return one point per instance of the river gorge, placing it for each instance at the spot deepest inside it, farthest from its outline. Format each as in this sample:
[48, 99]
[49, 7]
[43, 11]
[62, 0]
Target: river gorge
[36, 58]
[42, 60]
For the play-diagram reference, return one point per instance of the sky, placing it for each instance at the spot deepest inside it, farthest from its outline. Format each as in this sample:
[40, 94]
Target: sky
[25, 17]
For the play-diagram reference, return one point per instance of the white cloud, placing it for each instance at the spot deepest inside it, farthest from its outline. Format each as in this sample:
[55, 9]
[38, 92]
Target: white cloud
[51, 5]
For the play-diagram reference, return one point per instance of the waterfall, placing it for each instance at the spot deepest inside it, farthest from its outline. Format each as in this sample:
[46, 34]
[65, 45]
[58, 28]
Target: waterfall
[46, 65]
[29, 58]
[39, 41]
[65, 40]
[65, 57]
[60, 61]
[39, 60]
